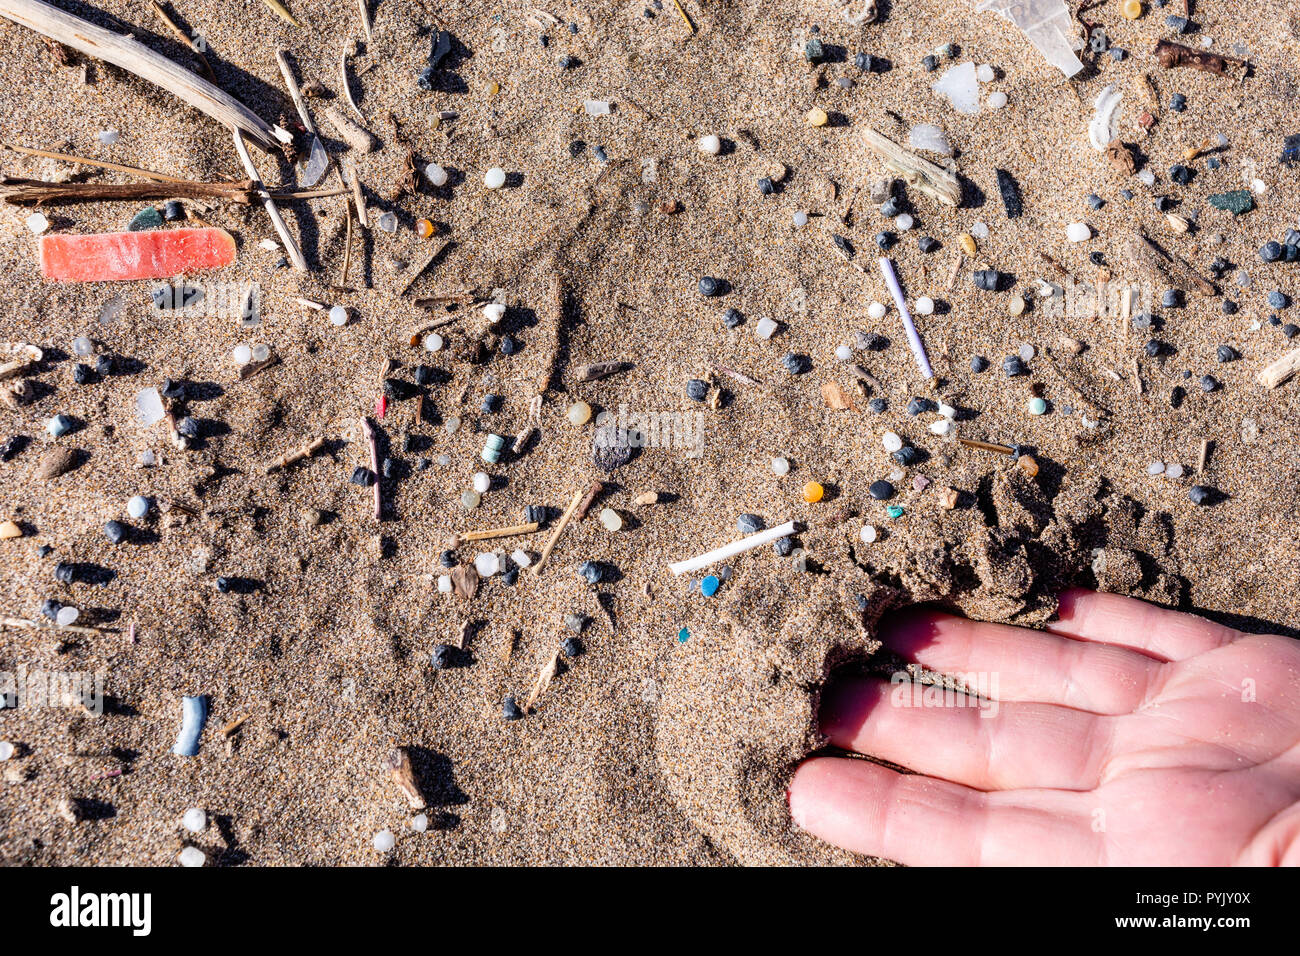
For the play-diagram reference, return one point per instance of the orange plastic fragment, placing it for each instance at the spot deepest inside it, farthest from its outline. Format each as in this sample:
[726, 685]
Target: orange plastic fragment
[123, 256]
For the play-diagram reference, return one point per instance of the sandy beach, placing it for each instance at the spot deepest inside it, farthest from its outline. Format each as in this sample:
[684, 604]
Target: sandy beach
[669, 735]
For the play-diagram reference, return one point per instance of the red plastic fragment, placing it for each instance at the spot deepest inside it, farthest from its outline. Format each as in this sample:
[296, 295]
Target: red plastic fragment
[124, 256]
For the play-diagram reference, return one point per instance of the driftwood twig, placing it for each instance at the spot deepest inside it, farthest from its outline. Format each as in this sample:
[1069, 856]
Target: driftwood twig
[135, 57]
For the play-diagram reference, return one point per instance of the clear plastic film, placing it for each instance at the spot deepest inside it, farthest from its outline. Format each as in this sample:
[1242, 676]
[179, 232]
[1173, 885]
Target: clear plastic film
[1048, 26]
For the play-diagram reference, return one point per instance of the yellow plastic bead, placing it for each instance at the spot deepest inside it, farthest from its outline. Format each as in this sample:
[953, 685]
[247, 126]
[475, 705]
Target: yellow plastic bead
[812, 492]
[494, 88]
[1131, 9]
[817, 117]
[424, 228]
[967, 243]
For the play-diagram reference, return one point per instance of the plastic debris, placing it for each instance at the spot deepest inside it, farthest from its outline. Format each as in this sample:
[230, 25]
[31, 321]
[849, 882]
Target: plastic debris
[194, 714]
[929, 137]
[149, 406]
[124, 256]
[317, 163]
[959, 85]
[1048, 25]
[1236, 202]
[1104, 128]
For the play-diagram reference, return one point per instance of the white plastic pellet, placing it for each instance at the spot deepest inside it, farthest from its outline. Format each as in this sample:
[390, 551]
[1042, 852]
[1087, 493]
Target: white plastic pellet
[444, 584]
[891, 441]
[494, 178]
[521, 557]
[192, 856]
[137, 506]
[436, 175]
[904, 221]
[800, 219]
[419, 823]
[384, 841]
[997, 100]
[67, 615]
[876, 310]
[710, 145]
[611, 519]
[765, 328]
[1078, 232]
[194, 820]
[925, 305]
[37, 223]
[482, 481]
[1174, 471]
[780, 467]
[338, 315]
[984, 73]
[494, 312]
[867, 534]
[487, 564]
[241, 355]
[843, 353]
[1156, 468]
[6, 750]
[432, 342]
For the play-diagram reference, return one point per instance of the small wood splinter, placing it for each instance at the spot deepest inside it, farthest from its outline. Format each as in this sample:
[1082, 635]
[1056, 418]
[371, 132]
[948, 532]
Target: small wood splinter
[987, 446]
[306, 451]
[397, 764]
[508, 531]
[559, 528]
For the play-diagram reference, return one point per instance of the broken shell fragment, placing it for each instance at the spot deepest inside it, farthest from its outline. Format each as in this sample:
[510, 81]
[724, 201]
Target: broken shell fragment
[18, 358]
[1104, 128]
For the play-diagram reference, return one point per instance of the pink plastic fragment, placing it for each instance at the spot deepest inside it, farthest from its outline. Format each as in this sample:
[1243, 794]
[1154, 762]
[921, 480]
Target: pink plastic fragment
[124, 256]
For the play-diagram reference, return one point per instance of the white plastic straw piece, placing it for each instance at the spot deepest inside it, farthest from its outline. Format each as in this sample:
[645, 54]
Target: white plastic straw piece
[749, 543]
[913, 339]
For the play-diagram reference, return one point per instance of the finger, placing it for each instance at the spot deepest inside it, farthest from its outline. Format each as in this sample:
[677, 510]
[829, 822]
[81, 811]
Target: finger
[1018, 664]
[981, 744]
[921, 821]
[1128, 622]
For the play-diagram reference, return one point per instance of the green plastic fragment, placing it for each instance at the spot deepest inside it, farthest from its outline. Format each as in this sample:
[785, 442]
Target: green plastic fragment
[147, 218]
[1235, 202]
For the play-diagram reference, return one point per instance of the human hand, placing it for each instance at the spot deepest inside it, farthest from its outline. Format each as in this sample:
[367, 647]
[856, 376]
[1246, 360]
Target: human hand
[1123, 735]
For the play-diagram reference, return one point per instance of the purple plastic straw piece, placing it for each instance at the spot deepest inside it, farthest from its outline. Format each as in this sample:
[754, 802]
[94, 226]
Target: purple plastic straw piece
[914, 340]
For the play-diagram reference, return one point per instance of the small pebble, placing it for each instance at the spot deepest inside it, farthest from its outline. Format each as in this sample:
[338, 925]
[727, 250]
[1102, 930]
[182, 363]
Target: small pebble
[509, 709]
[749, 524]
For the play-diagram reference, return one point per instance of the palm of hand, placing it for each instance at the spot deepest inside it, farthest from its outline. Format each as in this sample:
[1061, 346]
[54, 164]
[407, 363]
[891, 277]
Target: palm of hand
[1124, 735]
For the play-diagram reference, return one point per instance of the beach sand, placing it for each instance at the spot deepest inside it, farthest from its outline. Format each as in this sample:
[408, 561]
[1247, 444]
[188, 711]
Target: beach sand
[646, 748]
